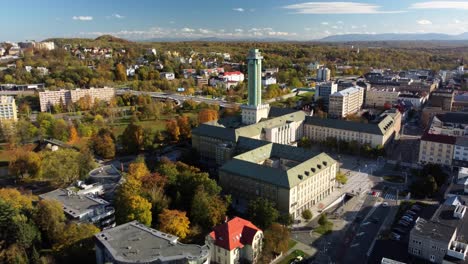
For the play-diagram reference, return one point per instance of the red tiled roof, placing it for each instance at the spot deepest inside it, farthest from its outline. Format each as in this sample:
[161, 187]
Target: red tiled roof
[234, 234]
[233, 73]
[445, 139]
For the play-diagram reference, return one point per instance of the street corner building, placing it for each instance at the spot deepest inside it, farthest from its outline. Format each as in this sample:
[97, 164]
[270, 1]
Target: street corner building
[235, 241]
[134, 242]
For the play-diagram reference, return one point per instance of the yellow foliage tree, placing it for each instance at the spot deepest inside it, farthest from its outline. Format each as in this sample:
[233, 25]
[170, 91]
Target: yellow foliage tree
[173, 129]
[206, 115]
[73, 135]
[138, 170]
[16, 199]
[174, 222]
[139, 209]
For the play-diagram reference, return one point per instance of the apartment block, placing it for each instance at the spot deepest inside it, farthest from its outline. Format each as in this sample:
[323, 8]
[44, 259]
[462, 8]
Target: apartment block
[377, 98]
[346, 102]
[8, 110]
[47, 99]
[437, 149]
[324, 90]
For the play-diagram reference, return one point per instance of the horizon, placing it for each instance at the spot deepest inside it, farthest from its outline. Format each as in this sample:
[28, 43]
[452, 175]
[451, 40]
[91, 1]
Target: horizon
[290, 20]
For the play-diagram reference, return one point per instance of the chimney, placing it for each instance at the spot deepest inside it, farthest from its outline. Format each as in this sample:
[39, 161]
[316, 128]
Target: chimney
[226, 219]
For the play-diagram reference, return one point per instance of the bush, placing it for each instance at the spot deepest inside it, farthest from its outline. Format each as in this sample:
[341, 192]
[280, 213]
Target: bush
[307, 214]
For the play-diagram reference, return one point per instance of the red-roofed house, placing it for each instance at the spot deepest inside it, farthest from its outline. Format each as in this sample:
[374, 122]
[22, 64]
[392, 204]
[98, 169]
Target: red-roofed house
[235, 76]
[234, 241]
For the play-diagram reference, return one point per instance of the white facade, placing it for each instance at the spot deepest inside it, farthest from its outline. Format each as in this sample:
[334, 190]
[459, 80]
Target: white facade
[47, 99]
[8, 108]
[416, 100]
[268, 81]
[233, 77]
[345, 102]
[378, 98]
[460, 153]
[253, 114]
[285, 134]
[167, 75]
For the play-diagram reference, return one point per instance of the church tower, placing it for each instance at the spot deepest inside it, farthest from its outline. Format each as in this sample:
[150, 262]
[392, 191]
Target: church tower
[254, 111]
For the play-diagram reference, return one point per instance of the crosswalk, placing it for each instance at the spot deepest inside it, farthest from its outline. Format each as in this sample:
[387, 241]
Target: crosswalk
[386, 196]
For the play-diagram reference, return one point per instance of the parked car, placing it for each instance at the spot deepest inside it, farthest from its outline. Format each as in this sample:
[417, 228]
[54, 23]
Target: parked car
[384, 204]
[409, 219]
[416, 208]
[398, 230]
[405, 224]
[411, 212]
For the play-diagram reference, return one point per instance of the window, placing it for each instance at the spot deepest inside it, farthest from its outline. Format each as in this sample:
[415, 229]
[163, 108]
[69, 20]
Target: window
[432, 258]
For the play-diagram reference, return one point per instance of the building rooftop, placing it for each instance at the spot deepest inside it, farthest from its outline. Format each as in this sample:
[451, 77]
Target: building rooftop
[445, 139]
[454, 117]
[462, 141]
[74, 205]
[379, 128]
[433, 230]
[107, 172]
[278, 164]
[235, 233]
[348, 91]
[134, 242]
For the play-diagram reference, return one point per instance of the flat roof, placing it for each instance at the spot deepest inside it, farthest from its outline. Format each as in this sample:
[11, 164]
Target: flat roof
[73, 204]
[134, 242]
[433, 230]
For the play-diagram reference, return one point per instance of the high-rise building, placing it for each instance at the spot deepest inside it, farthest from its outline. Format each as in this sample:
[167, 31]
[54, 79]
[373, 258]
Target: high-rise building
[47, 99]
[254, 111]
[8, 108]
[324, 90]
[348, 101]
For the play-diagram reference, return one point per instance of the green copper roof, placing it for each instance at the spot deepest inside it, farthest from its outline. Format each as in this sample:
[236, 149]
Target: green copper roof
[380, 128]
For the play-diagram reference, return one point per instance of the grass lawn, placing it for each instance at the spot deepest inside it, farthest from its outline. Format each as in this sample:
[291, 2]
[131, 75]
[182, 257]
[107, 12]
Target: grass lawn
[394, 178]
[324, 229]
[291, 244]
[155, 124]
[292, 256]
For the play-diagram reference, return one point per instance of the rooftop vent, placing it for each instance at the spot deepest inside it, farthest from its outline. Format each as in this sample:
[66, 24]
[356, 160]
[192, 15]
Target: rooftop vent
[324, 163]
[319, 166]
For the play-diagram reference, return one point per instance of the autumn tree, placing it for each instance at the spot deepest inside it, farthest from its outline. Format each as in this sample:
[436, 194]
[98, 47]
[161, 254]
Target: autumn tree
[120, 72]
[206, 115]
[341, 178]
[173, 129]
[183, 122]
[61, 166]
[103, 144]
[174, 222]
[208, 210]
[73, 135]
[132, 138]
[50, 219]
[276, 239]
[60, 130]
[25, 164]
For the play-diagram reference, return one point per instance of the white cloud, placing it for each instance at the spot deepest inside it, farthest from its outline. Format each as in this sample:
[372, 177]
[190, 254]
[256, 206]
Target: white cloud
[239, 9]
[354, 27]
[188, 30]
[238, 30]
[252, 9]
[335, 27]
[456, 21]
[82, 18]
[337, 8]
[307, 29]
[204, 31]
[441, 5]
[324, 23]
[424, 22]
[118, 16]
[339, 22]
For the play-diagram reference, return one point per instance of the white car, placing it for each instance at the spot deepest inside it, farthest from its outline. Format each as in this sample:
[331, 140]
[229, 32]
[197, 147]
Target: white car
[384, 204]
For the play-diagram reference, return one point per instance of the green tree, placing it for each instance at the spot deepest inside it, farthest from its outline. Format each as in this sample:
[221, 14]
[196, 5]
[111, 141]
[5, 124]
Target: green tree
[61, 167]
[103, 144]
[276, 239]
[307, 214]
[50, 219]
[86, 161]
[133, 138]
[207, 210]
[60, 130]
[262, 212]
[25, 164]
[341, 178]
[25, 130]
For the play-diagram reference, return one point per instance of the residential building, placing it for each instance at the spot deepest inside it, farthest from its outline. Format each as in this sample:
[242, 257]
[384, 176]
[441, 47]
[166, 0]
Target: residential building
[8, 110]
[428, 113]
[460, 152]
[416, 100]
[133, 243]
[83, 207]
[324, 90]
[346, 102]
[442, 98]
[47, 99]
[314, 66]
[323, 74]
[235, 76]
[45, 45]
[2, 51]
[460, 102]
[378, 133]
[379, 98]
[201, 81]
[294, 179]
[442, 239]
[268, 80]
[235, 241]
[436, 148]
[451, 124]
[167, 75]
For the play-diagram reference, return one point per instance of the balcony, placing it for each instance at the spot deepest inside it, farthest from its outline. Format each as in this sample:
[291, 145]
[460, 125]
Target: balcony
[457, 250]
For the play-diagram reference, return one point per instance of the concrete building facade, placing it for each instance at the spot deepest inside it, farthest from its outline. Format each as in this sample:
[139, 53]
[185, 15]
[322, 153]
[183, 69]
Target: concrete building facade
[8, 110]
[324, 90]
[377, 98]
[47, 99]
[346, 102]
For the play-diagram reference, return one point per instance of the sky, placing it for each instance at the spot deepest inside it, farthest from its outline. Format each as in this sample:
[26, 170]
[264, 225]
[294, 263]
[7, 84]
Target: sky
[240, 19]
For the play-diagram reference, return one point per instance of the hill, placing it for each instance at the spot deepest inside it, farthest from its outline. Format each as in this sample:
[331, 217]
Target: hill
[395, 37]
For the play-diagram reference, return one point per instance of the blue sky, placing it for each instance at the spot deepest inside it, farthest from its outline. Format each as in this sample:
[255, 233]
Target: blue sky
[286, 19]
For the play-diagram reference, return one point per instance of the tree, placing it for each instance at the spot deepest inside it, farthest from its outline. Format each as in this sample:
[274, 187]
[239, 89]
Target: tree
[206, 115]
[307, 214]
[121, 72]
[174, 222]
[73, 135]
[25, 164]
[86, 161]
[61, 166]
[262, 212]
[60, 130]
[132, 138]
[276, 239]
[103, 144]
[17, 200]
[138, 170]
[50, 219]
[183, 122]
[323, 220]
[173, 129]
[341, 178]
[139, 208]
[25, 130]
[207, 210]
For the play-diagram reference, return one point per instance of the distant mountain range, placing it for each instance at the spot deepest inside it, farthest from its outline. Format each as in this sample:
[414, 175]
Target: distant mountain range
[395, 37]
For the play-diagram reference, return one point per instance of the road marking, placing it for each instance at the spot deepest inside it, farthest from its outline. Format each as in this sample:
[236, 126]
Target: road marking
[355, 245]
[365, 223]
[360, 234]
